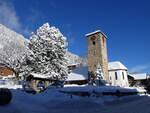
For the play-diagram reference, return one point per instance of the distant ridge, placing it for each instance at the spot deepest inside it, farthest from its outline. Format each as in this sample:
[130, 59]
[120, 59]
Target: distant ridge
[12, 44]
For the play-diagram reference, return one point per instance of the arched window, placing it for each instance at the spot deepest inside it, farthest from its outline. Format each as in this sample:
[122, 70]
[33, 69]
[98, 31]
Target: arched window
[41, 85]
[110, 78]
[116, 77]
[103, 40]
[123, 75]
[94, 42]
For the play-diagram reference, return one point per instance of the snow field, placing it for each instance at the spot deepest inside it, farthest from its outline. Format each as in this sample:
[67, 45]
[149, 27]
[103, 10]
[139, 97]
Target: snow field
[52, 101]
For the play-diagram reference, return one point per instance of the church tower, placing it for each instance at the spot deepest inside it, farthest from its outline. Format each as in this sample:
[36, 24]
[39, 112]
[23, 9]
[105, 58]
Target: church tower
[97, 53]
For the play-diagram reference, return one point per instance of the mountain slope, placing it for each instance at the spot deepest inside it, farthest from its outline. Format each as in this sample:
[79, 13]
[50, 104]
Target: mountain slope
[12, 45]
[75, 59]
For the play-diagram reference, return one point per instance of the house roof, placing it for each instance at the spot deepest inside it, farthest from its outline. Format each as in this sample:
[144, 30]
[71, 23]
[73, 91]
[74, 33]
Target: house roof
[36, 75]
[80, 73]
[116, 66]
[139, 76]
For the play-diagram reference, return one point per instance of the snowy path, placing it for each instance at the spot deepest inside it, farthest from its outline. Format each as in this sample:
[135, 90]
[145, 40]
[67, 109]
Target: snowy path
[54, 102]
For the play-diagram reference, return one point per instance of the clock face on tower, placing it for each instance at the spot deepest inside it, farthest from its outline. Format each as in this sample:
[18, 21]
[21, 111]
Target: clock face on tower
[93, 38]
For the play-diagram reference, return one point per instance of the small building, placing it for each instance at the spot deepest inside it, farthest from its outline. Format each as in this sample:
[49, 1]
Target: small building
[139, 76]
[5, 72]
[78, 76]
[118, 74]
[38, 82]
[139, 79]
[8, 78]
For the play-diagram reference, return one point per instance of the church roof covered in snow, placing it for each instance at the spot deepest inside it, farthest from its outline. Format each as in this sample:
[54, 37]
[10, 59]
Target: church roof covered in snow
[80, 73]
[116, 66]
[95, 32]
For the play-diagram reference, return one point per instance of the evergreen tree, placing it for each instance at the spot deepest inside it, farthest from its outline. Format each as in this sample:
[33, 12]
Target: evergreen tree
[99, 77]
[48, 58]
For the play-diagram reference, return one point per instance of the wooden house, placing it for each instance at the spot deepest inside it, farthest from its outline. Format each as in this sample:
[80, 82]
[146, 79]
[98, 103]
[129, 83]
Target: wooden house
[6, 71]
[38, 82]
[139, 79]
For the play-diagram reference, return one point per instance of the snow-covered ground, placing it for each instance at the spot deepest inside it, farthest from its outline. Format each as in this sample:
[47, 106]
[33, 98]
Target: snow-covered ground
[85, 88]
[9, 83]
[9, 86]
[52, 101]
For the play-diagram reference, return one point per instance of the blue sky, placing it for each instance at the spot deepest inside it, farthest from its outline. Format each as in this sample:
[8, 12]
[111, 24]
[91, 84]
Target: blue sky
[125, 22]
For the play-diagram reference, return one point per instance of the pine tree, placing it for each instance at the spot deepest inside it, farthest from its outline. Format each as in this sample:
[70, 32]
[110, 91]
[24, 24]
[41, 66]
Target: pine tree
[48, 47]
[99, 77]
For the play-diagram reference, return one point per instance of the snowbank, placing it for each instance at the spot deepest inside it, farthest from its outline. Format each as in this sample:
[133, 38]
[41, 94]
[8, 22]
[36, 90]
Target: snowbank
[52, 101]
[9, 86]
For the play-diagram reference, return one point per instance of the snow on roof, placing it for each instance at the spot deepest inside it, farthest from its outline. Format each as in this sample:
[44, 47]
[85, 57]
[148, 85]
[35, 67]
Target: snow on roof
[39, 75]
[116, 65]
[98, 31]
[139, 76]
[80, 73]
[73, 64]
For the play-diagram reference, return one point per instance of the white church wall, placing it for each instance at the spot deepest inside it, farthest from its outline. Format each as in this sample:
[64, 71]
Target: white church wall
[118, 79]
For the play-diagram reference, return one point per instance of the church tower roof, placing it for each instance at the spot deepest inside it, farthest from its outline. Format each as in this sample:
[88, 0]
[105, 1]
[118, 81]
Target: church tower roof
[96, 32]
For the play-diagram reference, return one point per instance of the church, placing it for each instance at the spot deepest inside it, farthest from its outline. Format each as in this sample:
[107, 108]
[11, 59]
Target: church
[115, 73]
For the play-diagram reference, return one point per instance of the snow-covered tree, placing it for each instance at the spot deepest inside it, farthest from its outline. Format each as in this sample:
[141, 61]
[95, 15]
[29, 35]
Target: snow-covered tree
[13, 50]
[48, 45]
[99, 77]
[10, 57]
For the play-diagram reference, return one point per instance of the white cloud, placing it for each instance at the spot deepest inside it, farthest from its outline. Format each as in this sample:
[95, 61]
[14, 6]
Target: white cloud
[8, 16]
[139, 68]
